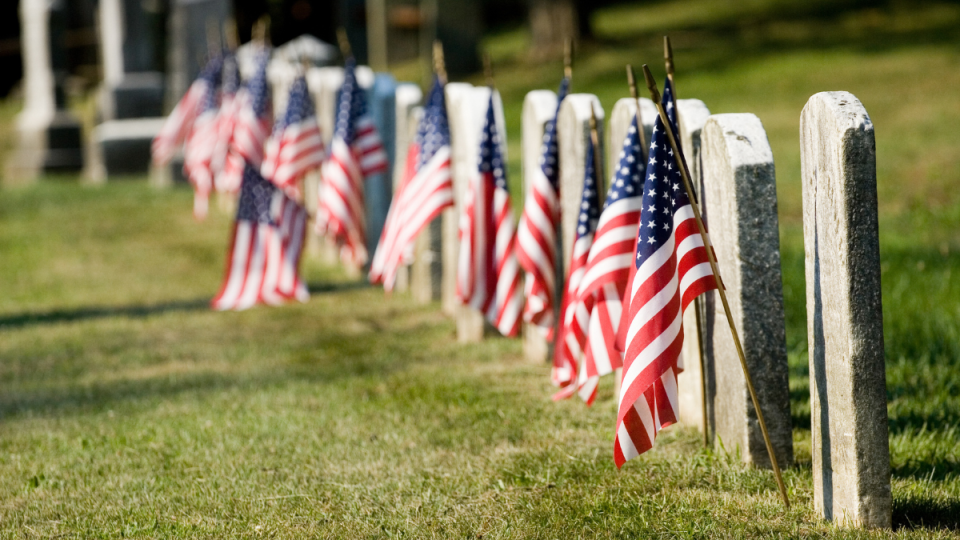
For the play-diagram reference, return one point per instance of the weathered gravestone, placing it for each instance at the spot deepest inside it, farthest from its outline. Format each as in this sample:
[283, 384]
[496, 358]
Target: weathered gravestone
[692, 115]
[539, 106]
[621, 118]
[466, 109]
[573, 133]
[408, 99]
[851, 454]
[49, 137]
[741, 192]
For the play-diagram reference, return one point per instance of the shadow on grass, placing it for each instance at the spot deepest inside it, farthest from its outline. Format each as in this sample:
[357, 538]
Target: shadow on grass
[925, 511]
[20, 320]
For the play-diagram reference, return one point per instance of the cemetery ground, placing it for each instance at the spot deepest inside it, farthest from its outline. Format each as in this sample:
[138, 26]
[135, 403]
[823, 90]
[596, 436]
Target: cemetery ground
[128, 408]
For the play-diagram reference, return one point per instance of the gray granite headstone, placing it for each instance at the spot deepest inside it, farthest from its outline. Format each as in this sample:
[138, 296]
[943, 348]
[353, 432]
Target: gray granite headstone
[133, 85]
[850, 448]
[741, 192]
[187, 47]
[539, 106]
[692, 115]
[378, 188]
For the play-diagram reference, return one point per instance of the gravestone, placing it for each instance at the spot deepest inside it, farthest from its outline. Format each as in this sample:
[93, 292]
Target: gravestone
[424, 273]
[741, 192]
[378, 188]
[187, 46]
[133, 83]
[408, 99]
[467, 109]
[539, 106]
[850, 448]
[49, 137]
[692, 115]
[621, 118]
[573, 127]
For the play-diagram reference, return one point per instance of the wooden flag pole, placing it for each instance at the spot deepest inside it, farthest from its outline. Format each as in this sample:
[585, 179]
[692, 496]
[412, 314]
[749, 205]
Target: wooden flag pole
[597, 163]
[632, 81]
[568, 58]
[230, 33]
[697, 302]
[655, 96]
[344, 43]
[439, 67]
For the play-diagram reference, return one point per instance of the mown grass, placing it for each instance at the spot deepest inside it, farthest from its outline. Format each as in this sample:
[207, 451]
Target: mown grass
[128, 409]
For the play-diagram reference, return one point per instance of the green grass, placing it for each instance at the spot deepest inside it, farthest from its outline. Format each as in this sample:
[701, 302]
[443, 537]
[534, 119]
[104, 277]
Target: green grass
[129, 409]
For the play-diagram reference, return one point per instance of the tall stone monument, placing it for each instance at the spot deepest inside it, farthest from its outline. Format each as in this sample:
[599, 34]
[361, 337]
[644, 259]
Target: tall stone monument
[851, 454]
[49, 136]
[741, 192]
[539, 106]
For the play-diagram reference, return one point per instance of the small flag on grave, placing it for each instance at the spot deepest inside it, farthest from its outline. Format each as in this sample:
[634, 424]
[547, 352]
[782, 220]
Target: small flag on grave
[575, 315]
[179, 123]
[296, 146]
[264, 257]
[425, 191]
[488, 275]
[671, 269]
[201, 141]
[355, 153]
[226, 118]
[251, 126]
[537, 232]
[608, 265]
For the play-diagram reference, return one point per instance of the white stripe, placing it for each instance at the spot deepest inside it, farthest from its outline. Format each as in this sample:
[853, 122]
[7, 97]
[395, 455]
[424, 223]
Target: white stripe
[648, 355]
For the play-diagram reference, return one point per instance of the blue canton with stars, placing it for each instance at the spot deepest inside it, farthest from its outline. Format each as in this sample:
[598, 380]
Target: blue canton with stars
[628, 178]
[231, 74]
[299, 105]
[434, 132]
[663, 189]
[490, 158]
[258, 86]
[211, 76]
[351, 105]
[256, 197]
[549, 152]
[590, 200]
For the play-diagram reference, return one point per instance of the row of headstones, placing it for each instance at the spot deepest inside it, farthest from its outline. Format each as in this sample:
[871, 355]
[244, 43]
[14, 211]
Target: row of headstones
[732, 166]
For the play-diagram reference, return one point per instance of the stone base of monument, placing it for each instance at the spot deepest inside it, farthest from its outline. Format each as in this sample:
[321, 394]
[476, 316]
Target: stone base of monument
[122, 147]
[536, 349]
[138, 95]
[50, 147]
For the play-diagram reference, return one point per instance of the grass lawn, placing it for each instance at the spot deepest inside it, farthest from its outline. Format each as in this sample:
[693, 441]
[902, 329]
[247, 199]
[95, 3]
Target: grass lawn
[129, 409]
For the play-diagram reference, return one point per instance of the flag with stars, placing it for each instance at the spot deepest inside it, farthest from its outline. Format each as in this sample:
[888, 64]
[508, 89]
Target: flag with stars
[179, 122]
[251, 126]
[226, 118]
[198, 152]
[671, 268]
[575, 315]
[537, 233]
[264, 255]
[426, 190]
[355, 153]
[488, 275]
[608, 265]
[296, 145]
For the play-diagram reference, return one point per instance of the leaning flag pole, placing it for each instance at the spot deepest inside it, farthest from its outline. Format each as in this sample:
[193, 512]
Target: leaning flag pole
[685, 174]
[697, 302]
[438, 62]
[597, 162]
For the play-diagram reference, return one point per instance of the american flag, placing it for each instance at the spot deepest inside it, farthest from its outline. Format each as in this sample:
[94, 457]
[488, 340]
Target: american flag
[575, 314]
[264, 256]
[671, 269]
[355, 153]
[425, 192]
[180, 121]
[537, 233]
[198, 152]
[488, 275]
[226, 118]
[250, 127]
[296, 145]
[608, 265]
